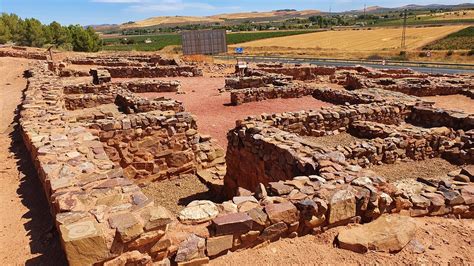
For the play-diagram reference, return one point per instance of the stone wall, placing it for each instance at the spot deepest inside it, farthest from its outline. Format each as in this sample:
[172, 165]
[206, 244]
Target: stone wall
[302, 72]
[98, 213]
[238, 97]
[156, 145]
[130, 103]
[23, 54]
[256, 79]
[429, 116]
[333, 119]
[418, 86]
[154, 72]
[89, 100]
[115, 61]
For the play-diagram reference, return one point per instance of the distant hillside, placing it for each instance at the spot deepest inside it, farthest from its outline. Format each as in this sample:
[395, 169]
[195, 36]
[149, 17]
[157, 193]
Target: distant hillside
[379, 9]
[220, 18]
[258, 17]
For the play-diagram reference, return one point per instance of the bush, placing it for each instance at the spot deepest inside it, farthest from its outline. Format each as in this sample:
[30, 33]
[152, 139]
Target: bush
[450, 53]
[375, 57]
[471, 52]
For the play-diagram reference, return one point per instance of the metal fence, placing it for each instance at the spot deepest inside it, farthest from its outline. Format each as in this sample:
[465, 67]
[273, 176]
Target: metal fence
[204, 42]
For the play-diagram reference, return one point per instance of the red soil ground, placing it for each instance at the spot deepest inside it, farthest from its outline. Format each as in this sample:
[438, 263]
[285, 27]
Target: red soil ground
[215, 117]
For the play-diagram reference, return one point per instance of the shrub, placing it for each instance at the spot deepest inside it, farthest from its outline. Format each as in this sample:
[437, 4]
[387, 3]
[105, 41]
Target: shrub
[450, 53]
[374, 57]
[471, 52]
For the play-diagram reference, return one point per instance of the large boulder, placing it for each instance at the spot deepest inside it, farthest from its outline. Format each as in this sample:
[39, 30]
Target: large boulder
[386, 234]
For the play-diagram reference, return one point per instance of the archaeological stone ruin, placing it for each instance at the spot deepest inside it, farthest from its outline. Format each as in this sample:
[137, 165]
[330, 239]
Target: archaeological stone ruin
[97, 143]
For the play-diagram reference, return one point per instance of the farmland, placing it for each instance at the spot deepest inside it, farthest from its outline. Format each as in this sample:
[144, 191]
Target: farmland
[380, 39]
[461, 40]
[158, 42]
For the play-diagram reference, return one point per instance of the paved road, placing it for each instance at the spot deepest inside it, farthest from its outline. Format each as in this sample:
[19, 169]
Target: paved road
[425, 69]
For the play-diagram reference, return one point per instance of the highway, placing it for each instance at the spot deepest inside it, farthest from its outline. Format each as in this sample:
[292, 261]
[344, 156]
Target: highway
[441, 68]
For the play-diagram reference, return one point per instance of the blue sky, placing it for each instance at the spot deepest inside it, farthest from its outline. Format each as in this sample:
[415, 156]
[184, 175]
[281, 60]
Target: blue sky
[87, 12]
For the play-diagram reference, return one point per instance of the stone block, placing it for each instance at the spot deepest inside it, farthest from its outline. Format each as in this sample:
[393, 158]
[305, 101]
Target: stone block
[232, 223]
[282, 212]
[218, 245]
[84, 242]
[342, 206]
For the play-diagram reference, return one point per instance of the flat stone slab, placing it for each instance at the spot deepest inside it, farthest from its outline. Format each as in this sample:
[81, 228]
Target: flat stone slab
[232, 223]
[198, 211]
[390, 233]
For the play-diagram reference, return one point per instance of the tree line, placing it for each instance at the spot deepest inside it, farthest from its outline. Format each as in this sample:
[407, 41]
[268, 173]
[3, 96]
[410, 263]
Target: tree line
[31, 32]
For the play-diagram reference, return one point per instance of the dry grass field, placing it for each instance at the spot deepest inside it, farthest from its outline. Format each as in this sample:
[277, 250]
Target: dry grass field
[380, 39]
[454, 15]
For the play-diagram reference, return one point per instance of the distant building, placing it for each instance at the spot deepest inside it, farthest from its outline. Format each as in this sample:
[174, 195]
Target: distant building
[204, 42]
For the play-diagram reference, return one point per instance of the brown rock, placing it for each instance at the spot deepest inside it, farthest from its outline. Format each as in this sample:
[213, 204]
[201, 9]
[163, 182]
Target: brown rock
[192, 248]
[127, 225]
[232, 223]
[274, 231]
[282, 212]
[386, 234]
[130, 258]
[219, 244]
[342, 206]
[279, 188]
[84, 242]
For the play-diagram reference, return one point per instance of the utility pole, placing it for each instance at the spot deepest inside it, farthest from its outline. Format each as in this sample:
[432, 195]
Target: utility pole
[404, 31]
[365, 10]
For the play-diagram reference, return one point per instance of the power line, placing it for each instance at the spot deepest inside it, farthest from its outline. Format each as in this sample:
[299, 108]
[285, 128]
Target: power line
[404, 31]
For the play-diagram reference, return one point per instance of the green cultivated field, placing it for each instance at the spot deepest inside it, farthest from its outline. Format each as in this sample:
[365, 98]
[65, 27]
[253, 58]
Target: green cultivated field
[137, 43]
[461, 40]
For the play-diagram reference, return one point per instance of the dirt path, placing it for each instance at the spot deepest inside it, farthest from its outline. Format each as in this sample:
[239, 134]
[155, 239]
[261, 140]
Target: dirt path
[27, 234]
[446, 241]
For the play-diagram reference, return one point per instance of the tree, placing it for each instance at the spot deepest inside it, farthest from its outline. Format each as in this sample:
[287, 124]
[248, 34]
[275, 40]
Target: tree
[5, 34]
[59, 34]
[33, 34]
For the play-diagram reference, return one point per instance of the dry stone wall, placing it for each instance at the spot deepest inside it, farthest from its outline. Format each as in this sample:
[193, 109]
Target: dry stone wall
[154, 71]
[238, 97]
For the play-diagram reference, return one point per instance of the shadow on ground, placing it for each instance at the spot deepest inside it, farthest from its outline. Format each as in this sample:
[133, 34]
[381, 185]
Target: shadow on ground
[44, 239]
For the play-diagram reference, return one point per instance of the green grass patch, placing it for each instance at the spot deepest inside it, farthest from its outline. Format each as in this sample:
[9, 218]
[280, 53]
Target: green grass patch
[160, 41]
[461, 40]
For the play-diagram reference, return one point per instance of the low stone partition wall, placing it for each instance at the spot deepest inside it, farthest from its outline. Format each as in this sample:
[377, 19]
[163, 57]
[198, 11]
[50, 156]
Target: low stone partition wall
[154, 72]
[23, 54]
[129, 103]
[301, 72]
[136, 86]
[423, 86]
[89, 100]
[115, 61]
[238, 97]
[363, 96]
[332, 119]
[141, 86]
[156, 145]
[239, 83]
[429, 116]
